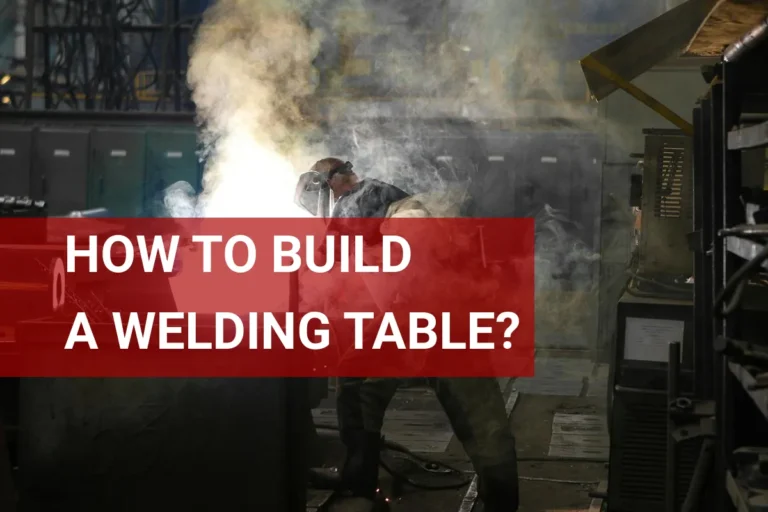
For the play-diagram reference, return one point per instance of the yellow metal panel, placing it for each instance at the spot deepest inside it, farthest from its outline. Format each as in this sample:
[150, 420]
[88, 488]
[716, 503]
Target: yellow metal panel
[358, 67]
[592, 64]
[477, 68]
[358, 21]
[495, 70]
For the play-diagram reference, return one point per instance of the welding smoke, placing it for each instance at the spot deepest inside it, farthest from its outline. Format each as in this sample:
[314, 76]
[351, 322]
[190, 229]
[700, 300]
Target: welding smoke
[250, 73]
[258, 69]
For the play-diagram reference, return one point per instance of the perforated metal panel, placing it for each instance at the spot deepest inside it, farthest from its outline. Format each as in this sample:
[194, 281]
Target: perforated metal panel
[667, 204]
[639, 453]
[673, 183]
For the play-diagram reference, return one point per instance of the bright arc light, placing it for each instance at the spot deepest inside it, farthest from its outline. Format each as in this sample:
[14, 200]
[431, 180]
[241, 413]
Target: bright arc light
[250, 179]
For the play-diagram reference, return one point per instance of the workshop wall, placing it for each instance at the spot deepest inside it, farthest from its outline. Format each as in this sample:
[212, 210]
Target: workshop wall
[677, 87]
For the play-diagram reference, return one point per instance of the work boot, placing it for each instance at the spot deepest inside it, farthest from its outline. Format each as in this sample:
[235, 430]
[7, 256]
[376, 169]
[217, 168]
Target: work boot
[360, 474]
[498, 488]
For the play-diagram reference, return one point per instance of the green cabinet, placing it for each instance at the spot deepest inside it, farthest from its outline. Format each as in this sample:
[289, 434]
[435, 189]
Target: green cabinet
[116, 174]
[171, 158]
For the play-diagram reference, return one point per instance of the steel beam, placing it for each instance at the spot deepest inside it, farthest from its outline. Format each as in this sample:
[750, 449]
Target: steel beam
[593, 64]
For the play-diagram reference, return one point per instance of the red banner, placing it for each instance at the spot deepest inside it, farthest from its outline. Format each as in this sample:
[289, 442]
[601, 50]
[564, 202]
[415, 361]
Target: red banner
[266, 297]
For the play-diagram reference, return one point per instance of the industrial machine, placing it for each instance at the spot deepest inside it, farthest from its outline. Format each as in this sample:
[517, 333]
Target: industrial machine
[149, 444]
[655, 312]
[77, 161]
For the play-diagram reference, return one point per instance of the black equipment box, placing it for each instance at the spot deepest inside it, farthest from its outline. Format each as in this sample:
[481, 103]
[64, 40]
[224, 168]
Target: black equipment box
[638, 417]
[159, 444]
[117, 444]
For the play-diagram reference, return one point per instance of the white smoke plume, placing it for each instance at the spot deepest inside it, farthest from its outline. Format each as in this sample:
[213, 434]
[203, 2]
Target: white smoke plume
[259, 71]
[250, 71]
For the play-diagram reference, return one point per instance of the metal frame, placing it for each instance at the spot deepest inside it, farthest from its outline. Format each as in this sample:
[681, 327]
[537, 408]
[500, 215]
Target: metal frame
[646, 99]
[718, 206]
[39, 31]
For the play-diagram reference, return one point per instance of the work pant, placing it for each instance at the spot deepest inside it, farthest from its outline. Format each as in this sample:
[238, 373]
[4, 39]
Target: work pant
[7, 491]
[475, 408]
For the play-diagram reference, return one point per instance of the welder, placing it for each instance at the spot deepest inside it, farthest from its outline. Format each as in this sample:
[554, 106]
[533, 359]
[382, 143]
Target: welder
[474, 406]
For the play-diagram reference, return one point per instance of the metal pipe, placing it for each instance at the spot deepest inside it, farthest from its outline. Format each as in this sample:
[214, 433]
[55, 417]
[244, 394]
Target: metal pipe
[176, 56]
[89, 29]
[673, 393]
[20, 30]
[163, 68]
[700, 475]
[747, 41]
[29, 53]
[46, 76]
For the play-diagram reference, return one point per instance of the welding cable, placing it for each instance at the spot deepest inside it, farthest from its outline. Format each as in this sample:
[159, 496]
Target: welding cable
[735, 283]
[733, 304]
[557, 480]
[397, 447]
[672, 288]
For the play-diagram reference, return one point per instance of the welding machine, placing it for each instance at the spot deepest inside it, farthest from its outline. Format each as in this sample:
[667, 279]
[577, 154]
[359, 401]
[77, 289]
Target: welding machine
[655, 311]
[639, 418]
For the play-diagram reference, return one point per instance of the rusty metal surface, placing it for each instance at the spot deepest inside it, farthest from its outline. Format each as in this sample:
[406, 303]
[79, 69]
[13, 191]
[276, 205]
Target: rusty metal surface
[638, 51]
[579, 436]
[726, 22]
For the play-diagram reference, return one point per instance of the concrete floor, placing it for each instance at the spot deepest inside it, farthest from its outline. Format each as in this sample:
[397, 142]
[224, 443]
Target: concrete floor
[559, 414]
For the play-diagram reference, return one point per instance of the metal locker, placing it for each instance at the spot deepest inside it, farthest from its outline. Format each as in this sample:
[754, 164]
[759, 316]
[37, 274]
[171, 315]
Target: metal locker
[171, 158]
[116, 180]
[60, 169]
[15, 164]
[546, 178]
[495, 182]
[586, 187]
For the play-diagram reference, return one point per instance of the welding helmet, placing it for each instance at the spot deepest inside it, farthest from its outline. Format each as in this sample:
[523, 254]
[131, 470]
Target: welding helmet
[313, 191]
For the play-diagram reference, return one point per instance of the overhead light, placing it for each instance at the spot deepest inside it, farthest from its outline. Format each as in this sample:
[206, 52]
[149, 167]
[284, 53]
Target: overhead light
[5, 79]
[6, 100]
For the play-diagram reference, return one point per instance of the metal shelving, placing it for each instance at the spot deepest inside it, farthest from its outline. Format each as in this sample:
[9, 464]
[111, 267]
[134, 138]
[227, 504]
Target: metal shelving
[745, 249]
[751, 382]
[730, 306]
[738, 494]
[755, 136]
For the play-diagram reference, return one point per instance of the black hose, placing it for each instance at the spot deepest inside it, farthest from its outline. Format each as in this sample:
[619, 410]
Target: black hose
[671, 288]
[397, 447]
[731, 306]
[735, 282]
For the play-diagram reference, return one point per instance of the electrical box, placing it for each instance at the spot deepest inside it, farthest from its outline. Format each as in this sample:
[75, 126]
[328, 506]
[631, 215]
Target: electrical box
[171, 158]
[116, 180]
[15, 160]
[638, 418]
[60, 169]
[667, 203]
